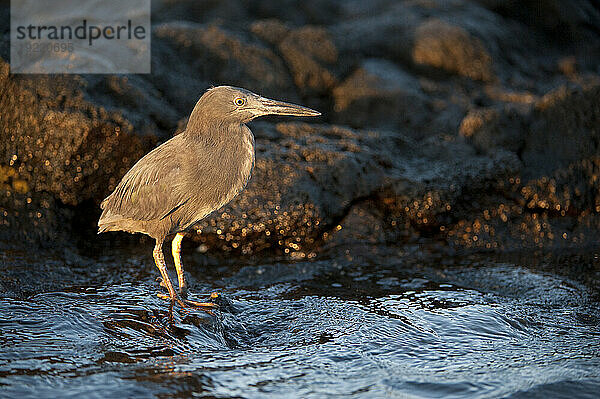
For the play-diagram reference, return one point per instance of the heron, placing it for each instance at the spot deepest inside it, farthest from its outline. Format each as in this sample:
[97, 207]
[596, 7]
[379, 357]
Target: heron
[188, 177]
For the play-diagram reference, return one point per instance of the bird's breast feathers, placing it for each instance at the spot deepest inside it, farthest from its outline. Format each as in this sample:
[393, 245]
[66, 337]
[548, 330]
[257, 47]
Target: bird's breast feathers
[248, 155]
[246, 164]
[236, 167]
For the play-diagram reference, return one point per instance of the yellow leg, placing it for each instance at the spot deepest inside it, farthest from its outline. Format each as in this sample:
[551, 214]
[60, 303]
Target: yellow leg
[159, 259]
[160, 263]
[176, 251]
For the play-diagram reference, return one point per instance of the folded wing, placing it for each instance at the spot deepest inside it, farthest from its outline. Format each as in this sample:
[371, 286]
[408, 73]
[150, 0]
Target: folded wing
[152, 189]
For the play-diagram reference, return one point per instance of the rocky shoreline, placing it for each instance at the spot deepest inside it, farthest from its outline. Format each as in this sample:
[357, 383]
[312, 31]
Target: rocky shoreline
[460, 123]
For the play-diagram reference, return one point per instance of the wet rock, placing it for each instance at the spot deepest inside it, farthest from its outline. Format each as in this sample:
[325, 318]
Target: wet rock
[385, 31]
[305, 51]
[550, 134]
[553, 202]
[304, 179]
[575, 19]
[459, 38]
[58, 142]
[459, 133]
[139, 101]
[308, 180]
[308, 12]
[270, 30]
[198, 11]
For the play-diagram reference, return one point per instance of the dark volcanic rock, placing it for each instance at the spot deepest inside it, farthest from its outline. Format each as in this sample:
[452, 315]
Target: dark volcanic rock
[451, 48]
[220, 57]
[469, 125]
[198, 11]
[307, 52]
[57, 149]
[305, 178]
[555, 198]
[496, 127]
[560, 128]
[380, 94]
[576, 19]
[386, 31]
[565, 128]
[308, 179]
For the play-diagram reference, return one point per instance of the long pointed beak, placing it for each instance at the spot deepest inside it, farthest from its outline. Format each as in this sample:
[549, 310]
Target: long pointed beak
[273, 107]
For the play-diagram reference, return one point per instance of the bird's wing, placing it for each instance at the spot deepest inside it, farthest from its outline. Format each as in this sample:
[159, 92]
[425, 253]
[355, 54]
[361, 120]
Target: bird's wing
[152, 189]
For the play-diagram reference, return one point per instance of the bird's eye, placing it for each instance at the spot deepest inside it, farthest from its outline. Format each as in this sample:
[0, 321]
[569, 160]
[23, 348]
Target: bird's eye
[239, 101]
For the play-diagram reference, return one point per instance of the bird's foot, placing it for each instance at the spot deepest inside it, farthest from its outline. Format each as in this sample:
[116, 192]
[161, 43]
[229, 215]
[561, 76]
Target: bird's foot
[168, 298]
[204, 306]
[207, 307]
[183, 289]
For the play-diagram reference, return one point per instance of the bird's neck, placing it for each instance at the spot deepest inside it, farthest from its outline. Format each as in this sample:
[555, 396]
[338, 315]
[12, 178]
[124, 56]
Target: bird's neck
[209, 124]
[207, 119]
[214, 131]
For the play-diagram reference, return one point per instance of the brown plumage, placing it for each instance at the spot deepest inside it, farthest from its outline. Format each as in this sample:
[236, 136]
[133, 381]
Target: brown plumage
[191, 175]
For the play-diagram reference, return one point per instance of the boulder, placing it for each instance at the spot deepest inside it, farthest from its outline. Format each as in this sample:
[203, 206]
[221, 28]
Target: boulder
[307, 51]
[380, 94]
[309, 178]
[565, 128]
[454, 122]
[58, 150]
[451, 48]
[211, 55]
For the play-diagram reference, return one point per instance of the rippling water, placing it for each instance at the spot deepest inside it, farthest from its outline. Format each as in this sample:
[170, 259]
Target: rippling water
[303, 330]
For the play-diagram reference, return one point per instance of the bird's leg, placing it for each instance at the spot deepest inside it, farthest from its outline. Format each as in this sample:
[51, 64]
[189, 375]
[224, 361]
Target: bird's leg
[160, 263]
[159, 259]
[176, 250]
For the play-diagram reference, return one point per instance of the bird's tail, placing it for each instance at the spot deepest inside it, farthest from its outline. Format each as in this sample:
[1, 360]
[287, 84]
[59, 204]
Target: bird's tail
[107, 221]
[111, 222]
[104, 226]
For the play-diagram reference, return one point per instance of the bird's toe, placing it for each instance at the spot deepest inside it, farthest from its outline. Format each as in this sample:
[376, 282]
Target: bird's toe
[201, 304]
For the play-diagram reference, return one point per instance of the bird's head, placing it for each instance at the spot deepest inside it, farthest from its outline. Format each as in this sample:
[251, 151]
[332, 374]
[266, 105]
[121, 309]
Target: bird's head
[226, 104]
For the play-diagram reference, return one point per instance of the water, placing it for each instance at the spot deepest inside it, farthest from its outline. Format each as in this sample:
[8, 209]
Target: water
[316, 329]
